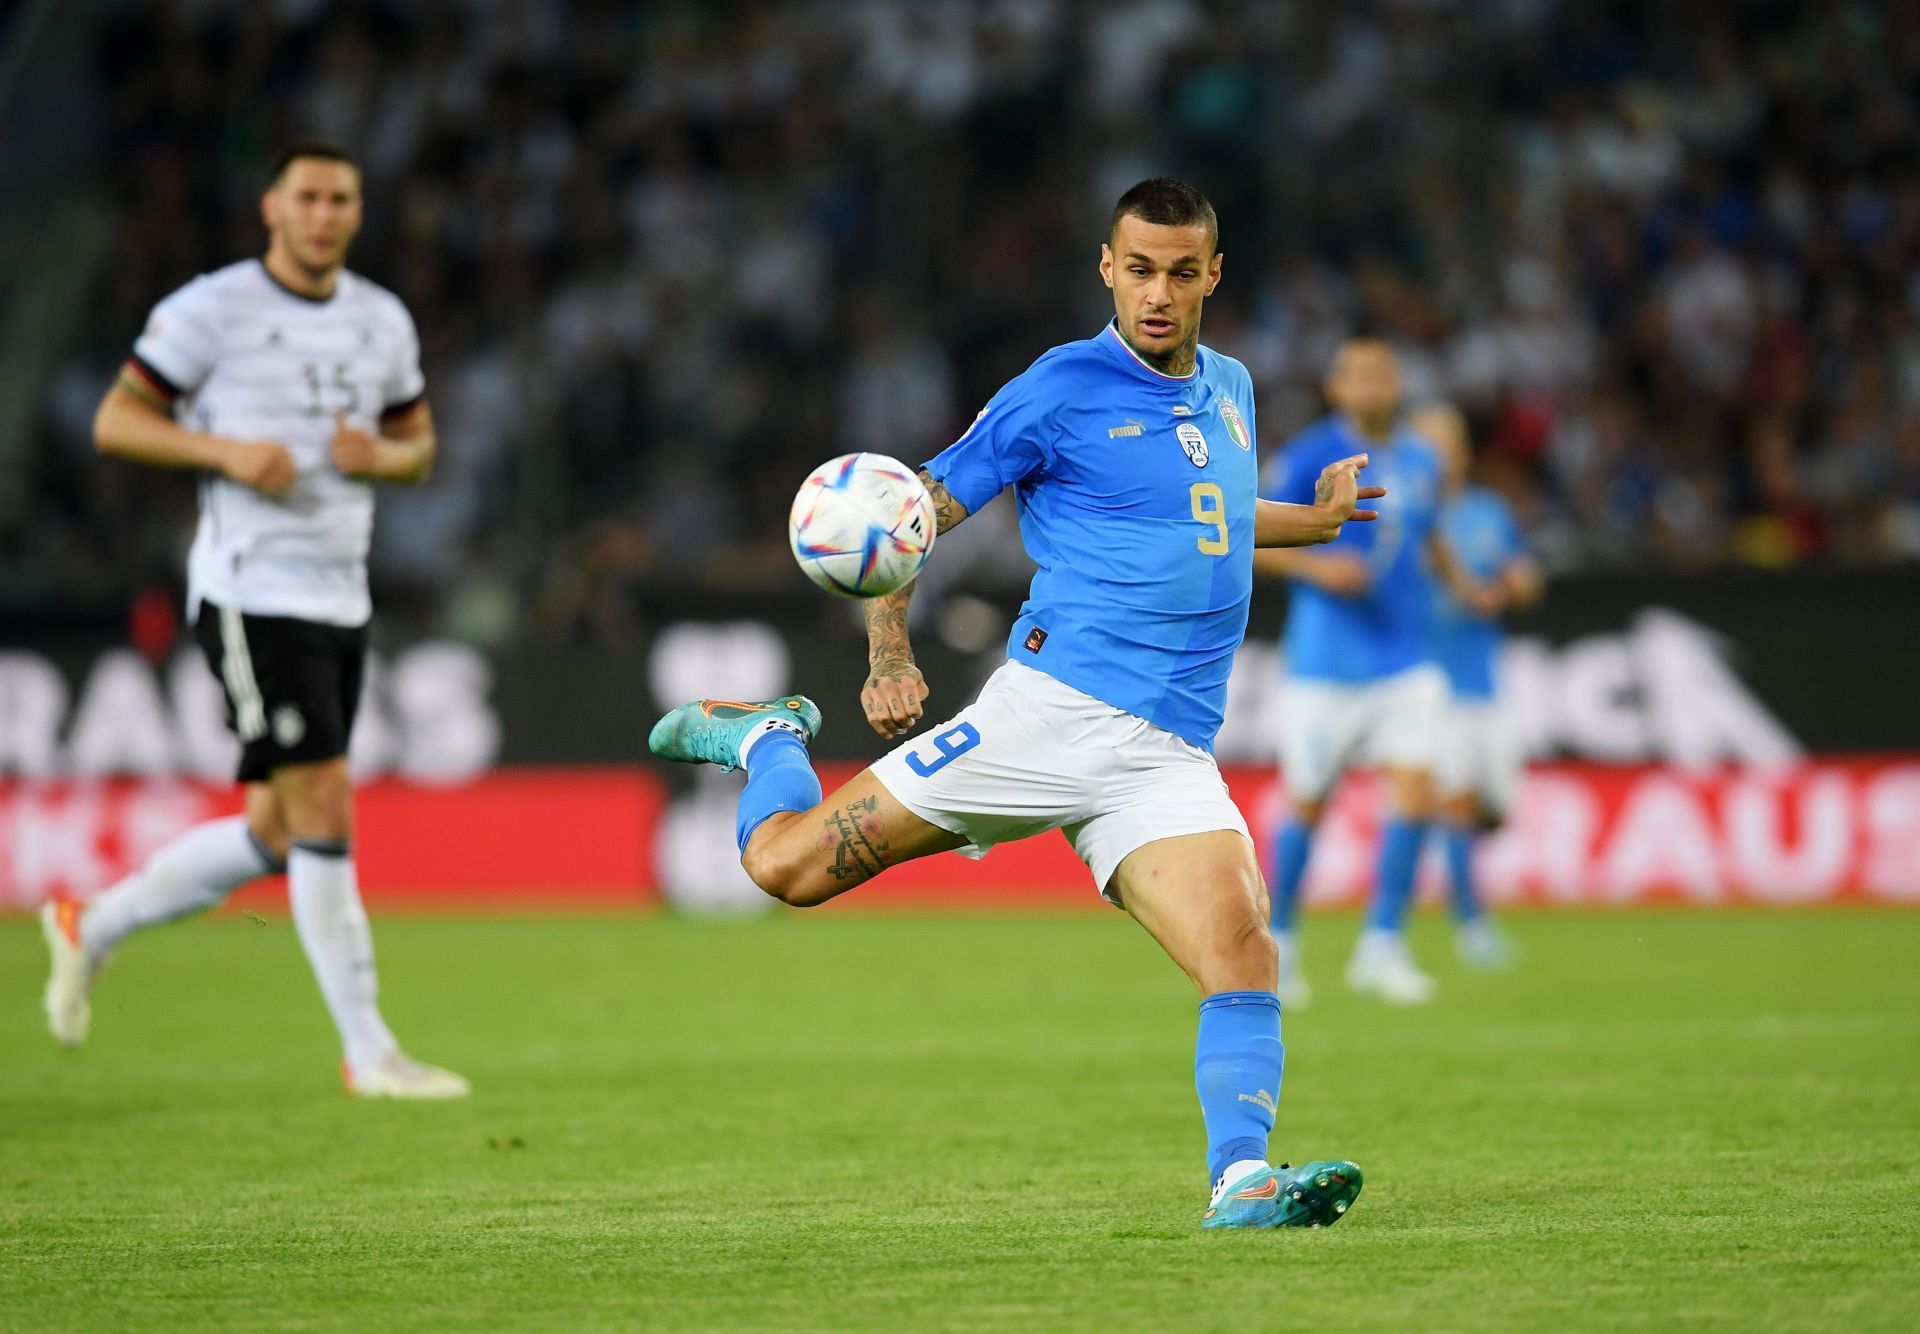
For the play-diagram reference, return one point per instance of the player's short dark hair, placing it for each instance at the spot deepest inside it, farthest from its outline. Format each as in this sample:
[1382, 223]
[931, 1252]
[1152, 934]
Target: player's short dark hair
[1359, 338]
[324, 150]
[1166, 202]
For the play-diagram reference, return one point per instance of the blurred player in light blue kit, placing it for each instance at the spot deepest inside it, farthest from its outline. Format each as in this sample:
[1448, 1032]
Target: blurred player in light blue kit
[1480, 764]
[1130, 455]
[1362, 687]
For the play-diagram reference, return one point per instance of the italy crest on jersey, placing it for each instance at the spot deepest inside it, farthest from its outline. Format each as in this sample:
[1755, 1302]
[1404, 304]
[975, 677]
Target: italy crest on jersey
[1236, 424]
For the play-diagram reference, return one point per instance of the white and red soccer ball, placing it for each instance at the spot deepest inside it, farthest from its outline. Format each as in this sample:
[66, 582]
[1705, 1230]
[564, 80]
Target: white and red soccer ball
[862, 525]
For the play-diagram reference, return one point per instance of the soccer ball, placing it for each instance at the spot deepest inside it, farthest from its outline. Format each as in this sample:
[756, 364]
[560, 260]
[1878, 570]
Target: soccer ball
[862, 525]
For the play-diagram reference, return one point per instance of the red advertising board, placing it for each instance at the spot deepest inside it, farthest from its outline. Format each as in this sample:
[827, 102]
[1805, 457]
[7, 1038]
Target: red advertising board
[1813, 832]
[1816, 832]
[516, 838]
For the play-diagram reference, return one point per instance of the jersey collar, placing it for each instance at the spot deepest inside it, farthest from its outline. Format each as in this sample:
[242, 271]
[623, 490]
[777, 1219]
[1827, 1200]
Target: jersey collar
[1363, 444]
[1134, 358]
[267, 273]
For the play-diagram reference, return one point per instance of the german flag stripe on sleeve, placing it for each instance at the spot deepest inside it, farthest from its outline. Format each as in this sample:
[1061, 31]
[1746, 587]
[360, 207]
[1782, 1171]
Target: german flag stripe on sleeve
[401, 409]
[159, 383]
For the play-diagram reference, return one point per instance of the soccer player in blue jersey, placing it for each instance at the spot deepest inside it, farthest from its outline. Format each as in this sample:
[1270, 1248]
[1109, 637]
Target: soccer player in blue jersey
[1362, 687]
[1480, 764]
[1130, 455]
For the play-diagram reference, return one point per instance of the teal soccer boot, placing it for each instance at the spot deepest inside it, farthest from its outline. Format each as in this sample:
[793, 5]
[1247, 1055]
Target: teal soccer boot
[709, 731]
[1317, 1195]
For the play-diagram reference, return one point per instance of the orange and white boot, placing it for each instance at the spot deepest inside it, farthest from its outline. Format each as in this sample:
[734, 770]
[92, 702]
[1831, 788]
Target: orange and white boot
[70, 973]
[400, 1076]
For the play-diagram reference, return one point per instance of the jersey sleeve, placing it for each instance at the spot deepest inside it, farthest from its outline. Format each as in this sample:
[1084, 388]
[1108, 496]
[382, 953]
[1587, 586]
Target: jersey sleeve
[177, 350]
[405, 385]
[1248, 405]
[1008, 442]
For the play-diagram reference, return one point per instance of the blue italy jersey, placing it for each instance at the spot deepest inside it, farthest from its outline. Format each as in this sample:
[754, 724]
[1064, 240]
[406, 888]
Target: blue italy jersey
[1136, 493]
[1485, 539]
[1360, 639]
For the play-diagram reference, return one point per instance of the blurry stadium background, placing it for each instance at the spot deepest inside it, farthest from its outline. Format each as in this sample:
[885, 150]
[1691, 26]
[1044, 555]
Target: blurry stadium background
[666, 256]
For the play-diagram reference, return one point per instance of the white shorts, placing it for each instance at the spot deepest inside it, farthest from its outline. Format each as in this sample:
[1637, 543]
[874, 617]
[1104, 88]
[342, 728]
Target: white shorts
[1328, 727]
[1033, 754]
[1481, 756]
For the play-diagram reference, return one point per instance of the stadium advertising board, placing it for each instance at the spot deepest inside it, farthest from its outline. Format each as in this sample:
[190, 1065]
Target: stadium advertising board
[1804, 833]
[1685, 749]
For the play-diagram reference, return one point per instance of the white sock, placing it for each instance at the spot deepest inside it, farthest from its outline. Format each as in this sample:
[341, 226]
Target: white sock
[1378, 940]
[1236, 1172]
[190, 874]
[760, 729]
[325, 894]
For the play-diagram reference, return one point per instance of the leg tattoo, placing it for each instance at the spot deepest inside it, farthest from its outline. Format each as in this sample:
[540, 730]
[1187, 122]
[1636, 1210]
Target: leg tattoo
[853, 837]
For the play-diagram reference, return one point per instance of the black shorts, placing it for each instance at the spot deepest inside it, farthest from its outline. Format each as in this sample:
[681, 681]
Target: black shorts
[292, 686]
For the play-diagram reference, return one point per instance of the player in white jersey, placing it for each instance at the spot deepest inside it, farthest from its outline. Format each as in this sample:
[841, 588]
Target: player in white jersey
[294, 385]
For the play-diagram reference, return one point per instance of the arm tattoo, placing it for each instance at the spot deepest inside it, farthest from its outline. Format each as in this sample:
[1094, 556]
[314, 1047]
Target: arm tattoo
[888, 652]
[948, 511]
[853, 836]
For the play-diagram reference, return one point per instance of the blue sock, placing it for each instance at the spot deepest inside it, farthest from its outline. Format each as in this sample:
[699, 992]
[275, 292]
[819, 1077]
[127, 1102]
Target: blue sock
[1399, 860]
[1237, 1060]
[1291, 847]
[1457, 843]
[779, 778]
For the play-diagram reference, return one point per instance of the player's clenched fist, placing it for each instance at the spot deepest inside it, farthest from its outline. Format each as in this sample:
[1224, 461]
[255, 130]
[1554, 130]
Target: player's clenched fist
[264, 465]
[893, 698]
[355, 452]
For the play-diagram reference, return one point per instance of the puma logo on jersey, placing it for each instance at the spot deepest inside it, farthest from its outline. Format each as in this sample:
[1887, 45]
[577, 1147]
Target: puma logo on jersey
[1131, 427]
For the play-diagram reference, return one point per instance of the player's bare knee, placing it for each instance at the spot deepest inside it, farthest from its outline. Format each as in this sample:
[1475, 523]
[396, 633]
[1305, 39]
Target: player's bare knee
[1253, 948]
[763, 868]
[780, 872]
[1244, 958]
[273, 839]
[1412, 794]
[806, 892]
[315, 800]
[265, 821]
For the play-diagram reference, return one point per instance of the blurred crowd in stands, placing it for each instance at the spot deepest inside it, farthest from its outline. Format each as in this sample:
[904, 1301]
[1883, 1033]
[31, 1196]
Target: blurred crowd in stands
[665, 255]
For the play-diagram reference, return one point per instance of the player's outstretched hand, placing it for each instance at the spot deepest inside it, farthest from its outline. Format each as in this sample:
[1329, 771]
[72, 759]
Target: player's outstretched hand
[355, 452]
[264, 465]
[1339, 489]
[893, 698]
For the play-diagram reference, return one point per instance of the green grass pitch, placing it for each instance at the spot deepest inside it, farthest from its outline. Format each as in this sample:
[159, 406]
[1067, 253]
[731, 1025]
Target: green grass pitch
[836, 1121]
